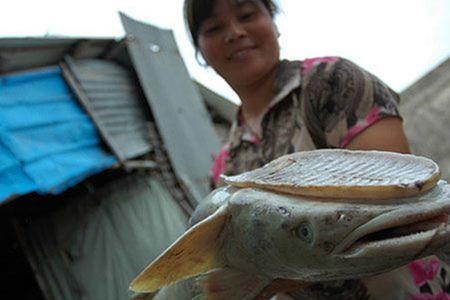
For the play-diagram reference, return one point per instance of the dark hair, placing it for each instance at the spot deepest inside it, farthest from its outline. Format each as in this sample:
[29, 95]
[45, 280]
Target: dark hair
[197, 11]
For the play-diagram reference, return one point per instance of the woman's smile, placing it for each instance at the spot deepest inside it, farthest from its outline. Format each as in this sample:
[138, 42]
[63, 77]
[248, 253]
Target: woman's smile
[240, 42]
[241, 53]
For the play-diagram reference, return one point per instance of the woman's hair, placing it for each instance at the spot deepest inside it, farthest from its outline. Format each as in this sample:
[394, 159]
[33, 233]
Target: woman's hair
[197, 11]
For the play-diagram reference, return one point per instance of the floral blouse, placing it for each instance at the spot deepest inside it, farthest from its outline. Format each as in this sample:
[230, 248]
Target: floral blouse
[324, 103]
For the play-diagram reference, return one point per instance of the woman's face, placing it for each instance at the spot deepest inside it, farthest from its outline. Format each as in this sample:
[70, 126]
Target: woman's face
[240, 41]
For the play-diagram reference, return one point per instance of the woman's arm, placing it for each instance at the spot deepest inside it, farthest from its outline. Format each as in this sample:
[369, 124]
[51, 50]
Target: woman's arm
[386, 134]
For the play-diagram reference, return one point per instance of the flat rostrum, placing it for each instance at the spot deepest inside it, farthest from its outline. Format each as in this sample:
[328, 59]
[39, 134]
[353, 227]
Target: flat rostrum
[343, 174]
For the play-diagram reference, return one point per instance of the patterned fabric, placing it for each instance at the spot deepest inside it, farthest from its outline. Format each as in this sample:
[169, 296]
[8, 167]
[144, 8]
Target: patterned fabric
[431, 279]
[324, 103]
[317, 103]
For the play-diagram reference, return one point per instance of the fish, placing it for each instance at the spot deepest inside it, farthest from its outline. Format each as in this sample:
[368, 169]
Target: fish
[267, 236]
[250, 242]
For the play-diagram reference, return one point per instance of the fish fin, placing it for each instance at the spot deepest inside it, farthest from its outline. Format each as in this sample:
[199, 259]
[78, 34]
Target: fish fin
[227, 284]
[195, 252]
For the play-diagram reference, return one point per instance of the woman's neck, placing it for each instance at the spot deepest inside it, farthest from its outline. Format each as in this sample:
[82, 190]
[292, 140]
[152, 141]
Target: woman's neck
[256, 97]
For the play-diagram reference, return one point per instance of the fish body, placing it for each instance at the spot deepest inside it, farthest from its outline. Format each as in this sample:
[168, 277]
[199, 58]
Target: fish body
[284, 236]
[267, 236]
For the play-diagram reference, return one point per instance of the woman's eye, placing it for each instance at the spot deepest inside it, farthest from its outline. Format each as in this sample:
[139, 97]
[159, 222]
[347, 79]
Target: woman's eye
[212, 29]
[305, 232]
[247, 16]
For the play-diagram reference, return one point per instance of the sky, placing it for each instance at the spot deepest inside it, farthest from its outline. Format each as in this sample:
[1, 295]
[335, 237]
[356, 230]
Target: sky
[397, 40]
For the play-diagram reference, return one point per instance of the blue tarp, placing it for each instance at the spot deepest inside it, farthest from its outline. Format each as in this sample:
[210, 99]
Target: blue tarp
[47, 142]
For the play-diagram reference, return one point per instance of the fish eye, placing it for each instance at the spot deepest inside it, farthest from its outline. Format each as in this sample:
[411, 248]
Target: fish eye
[304, 232]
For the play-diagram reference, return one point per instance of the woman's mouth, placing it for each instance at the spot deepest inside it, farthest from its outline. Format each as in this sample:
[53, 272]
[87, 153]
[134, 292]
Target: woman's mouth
[241, 54]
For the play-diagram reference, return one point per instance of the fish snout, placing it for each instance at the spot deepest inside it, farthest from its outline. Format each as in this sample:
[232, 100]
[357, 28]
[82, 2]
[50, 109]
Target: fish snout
[396, 231]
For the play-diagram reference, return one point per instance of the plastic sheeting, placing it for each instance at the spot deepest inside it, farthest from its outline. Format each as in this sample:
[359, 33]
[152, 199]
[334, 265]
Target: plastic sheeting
[47, 142]
[93, 247]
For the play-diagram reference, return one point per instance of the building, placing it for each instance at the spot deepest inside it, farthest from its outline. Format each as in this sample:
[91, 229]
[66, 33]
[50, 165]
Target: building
[105, 150]
[426, 110]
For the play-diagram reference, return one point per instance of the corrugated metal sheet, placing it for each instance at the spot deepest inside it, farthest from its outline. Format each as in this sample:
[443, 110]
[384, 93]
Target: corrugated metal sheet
[47, 142]
[25, 53]
[223, 107]
[95, 245]
[222, 111]
[425, 107]
[110, 94]
[180, 115]
[18, 54]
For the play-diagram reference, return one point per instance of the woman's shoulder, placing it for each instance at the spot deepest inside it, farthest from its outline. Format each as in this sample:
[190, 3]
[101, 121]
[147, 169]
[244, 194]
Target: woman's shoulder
[309, 64]
[326, 65]
[320, 74]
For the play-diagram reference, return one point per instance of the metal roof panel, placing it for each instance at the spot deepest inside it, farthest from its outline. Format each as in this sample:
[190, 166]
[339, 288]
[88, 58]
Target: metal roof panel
[110, 94]
[180, 114]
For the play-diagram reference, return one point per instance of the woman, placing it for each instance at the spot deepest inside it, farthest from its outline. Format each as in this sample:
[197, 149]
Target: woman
[289, 106]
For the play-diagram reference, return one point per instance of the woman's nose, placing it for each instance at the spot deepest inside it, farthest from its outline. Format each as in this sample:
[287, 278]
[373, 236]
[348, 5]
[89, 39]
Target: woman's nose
[234, 32]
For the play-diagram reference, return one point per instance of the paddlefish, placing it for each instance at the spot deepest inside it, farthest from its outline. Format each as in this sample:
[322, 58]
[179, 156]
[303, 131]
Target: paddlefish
[243, 239]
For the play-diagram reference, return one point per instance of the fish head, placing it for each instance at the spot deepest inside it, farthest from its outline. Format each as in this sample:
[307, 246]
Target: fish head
[284, 236]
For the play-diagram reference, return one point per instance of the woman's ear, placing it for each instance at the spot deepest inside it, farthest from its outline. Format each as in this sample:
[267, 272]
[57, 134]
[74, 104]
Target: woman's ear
[200, 59]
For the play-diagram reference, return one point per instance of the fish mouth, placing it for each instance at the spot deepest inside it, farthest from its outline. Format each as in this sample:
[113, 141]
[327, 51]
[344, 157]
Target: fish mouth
[406, 235]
